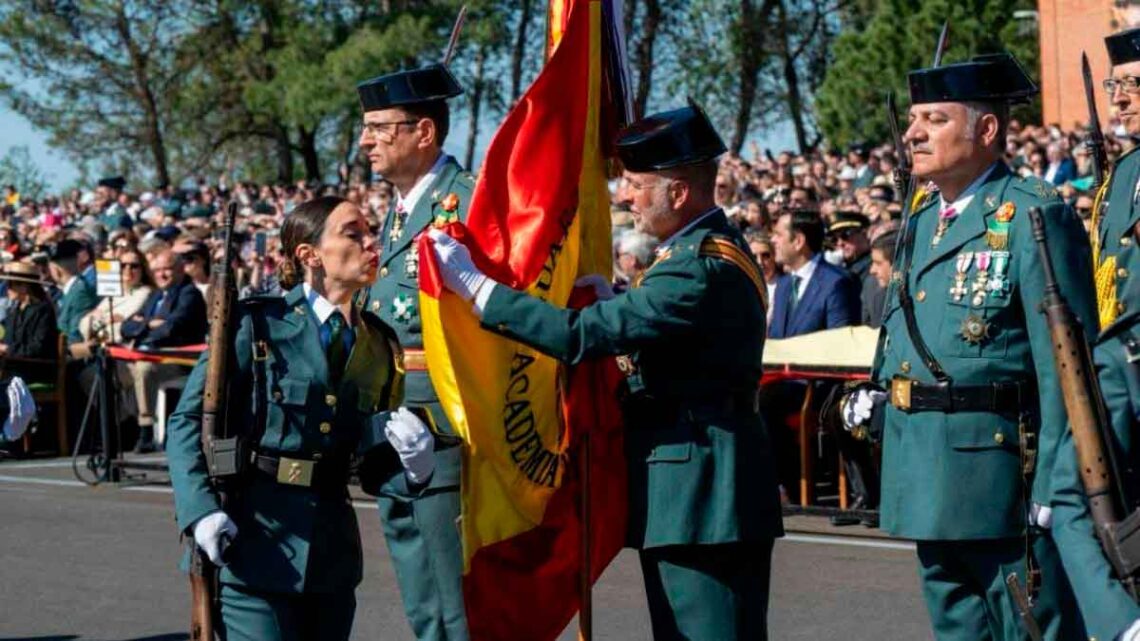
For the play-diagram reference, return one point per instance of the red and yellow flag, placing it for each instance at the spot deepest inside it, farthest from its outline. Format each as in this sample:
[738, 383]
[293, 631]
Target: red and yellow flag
[539, 219]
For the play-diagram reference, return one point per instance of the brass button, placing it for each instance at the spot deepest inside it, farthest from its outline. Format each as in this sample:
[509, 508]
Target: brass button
[921, 295]
[905, 367]
[277, 395]
[326, 427]
[1125, 241]
[502, 327]
[1119, 308]
[999, 438]
[375, 305]
[330, 400]
[1122, 273]
[383, 272]
[317, 456]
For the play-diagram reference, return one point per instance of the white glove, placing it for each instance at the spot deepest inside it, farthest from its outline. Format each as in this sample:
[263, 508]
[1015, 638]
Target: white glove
[21, 410]
[859, 406]
[413, 442]
[455, 265]
[214, 533]
[1132, 633]
[602, 287]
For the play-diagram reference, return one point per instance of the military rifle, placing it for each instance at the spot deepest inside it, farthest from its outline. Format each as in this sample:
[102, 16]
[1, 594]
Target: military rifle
[1095, 139]
[222, 451]
[1088, 420]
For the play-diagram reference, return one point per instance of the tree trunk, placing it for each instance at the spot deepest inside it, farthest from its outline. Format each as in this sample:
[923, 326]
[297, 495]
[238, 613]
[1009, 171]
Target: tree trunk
[519, 50]
[152, 123]
[750, 49]
[284, 154]
[644, 56]
[308, 148]
[792, 82]
[476, 104]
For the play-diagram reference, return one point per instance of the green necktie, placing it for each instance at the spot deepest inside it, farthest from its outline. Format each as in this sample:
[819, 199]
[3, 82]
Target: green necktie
[796, 280]
[336, 352]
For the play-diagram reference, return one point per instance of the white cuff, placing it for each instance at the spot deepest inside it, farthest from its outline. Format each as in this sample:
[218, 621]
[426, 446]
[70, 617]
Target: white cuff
[482, 295]
[1132, 633]
[1042, 517]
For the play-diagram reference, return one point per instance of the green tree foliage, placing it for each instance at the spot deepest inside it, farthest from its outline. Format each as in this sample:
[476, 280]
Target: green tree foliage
[17, 168]
[901, 35]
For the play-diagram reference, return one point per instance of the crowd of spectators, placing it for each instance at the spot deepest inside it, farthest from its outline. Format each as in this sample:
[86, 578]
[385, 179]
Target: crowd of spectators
[821, 225]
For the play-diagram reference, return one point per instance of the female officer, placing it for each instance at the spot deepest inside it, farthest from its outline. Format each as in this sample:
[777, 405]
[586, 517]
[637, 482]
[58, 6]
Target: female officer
[288, 541]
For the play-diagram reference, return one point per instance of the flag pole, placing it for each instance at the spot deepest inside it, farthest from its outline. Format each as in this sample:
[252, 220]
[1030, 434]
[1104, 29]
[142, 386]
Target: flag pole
[586, 609]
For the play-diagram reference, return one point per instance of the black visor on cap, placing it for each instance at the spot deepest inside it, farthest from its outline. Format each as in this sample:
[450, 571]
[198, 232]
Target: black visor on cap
[425, 84]
[1123, 47]
[669, 139]
[989, 78]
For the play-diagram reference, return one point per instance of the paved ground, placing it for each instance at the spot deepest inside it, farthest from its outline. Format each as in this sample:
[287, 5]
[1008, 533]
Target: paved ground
[99, 563]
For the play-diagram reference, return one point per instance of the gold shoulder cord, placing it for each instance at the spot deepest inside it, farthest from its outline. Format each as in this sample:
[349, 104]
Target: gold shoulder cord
[1105, 276]
[727, 251]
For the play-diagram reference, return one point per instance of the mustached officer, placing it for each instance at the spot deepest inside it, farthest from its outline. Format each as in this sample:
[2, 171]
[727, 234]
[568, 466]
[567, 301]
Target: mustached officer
[322, 375]
[406, 120]
[963, 385]
[703, 503]
[1107, 609]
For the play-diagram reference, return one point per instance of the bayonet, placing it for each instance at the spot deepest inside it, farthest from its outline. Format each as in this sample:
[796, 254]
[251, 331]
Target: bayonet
[1094, 141]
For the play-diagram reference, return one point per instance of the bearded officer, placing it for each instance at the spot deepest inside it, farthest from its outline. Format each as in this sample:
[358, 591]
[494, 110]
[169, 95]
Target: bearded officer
[1107, 609]
[704, 508]
[964, 382]
[406, 120]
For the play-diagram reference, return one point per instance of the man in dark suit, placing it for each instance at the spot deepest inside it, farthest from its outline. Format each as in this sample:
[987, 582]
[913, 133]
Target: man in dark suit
[78, 295]
[174, 314]
[812, 295]
[1061, 168]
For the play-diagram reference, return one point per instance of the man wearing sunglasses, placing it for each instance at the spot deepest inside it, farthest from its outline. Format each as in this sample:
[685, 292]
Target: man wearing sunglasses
[1108, 610]
[406, 120]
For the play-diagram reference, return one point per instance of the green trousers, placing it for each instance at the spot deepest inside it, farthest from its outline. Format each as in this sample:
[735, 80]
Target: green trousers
[708, 592]
[963, 583]
[423, 541]
[260, 616]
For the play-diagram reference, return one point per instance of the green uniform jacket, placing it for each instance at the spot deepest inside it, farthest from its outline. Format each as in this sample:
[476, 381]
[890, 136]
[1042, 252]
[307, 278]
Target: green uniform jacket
[1106, 607]
[74, 305]
[290, 539]
[398, 279]
[694, 330]
[957, 476]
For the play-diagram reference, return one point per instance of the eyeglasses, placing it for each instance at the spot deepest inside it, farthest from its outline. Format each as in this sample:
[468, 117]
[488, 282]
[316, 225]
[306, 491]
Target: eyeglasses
[1129, 84]
[131, 265]
[1084, 212]
[380, 129]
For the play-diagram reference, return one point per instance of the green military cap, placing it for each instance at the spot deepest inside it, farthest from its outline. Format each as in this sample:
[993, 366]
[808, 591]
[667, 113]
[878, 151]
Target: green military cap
[414, 86]
[988, 78]
[670, 139]
[1124, 46]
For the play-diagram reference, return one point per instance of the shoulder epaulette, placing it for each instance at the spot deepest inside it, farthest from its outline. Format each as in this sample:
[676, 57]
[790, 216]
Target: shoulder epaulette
[724, 249]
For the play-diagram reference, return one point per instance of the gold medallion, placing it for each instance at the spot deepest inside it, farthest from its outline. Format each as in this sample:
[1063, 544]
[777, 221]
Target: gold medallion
[975, 330]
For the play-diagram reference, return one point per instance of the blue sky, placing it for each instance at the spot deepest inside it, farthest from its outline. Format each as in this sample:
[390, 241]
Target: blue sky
[61, 172]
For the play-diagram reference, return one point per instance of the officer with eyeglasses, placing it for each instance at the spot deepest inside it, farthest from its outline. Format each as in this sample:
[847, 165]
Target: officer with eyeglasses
[406, 120]
[1108, 611]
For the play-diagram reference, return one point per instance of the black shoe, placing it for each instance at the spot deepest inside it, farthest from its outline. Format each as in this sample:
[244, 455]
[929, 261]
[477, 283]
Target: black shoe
[870, 521]
[843, 520]
[145, 444]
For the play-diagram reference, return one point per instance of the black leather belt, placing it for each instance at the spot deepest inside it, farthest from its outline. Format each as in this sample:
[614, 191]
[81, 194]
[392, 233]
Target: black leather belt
[302, 472]
[999, 397]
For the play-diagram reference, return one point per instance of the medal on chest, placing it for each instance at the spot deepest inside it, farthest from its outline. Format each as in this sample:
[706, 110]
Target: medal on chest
[975, 329]
[962, 267]
[412, 264]
[403, 308]
[999, 284]
[997, 229]
[397, 229]
[981, 277]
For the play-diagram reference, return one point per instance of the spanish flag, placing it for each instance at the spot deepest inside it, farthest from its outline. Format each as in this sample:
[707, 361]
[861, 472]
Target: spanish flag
[538, 220]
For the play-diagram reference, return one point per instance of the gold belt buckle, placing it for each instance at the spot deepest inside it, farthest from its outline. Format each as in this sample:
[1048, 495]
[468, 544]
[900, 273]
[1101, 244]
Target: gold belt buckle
[291, 471]
[900, 392]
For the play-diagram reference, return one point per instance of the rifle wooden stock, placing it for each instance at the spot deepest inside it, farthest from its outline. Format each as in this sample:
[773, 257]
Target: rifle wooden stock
[1084, 405]
[203, 573]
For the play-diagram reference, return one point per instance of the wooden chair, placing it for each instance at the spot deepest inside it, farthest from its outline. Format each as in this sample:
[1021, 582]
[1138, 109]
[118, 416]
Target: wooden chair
[46, 392]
